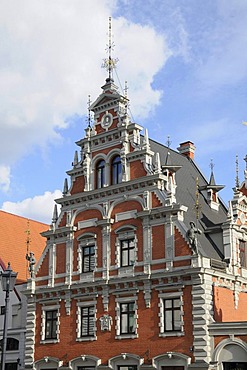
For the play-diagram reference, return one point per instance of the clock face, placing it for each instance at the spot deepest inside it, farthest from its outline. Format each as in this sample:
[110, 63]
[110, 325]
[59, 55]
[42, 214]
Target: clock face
[106, 120]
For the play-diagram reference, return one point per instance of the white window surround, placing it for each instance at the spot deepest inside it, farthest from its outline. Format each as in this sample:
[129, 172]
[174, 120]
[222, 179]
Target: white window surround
[85, 360]
[125, 359]
[120, 300]
[86, 240]
[162, 297]
[171, 359]
[47, 362]
[108, 160]
[46, 308]
[125, 233]
[79, 338]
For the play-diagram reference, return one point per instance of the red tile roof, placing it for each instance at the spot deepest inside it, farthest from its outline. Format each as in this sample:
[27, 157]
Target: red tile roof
[13, 242]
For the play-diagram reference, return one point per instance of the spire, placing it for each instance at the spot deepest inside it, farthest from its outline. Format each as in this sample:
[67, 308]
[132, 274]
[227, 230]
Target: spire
[65, 187]
[237, 170]
[212, 180]
[109, 63]
[157, 163]
[55, 214]
[197, 204]
[168, 142]
[89, 117]
[146, 140]
[75, 162]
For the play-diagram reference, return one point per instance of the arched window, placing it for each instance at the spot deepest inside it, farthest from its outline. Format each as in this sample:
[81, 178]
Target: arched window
[116, 170]
[100, 174]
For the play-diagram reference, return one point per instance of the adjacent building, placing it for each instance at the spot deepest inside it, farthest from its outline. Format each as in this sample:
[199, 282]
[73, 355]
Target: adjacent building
[144, 267]
[19, 237]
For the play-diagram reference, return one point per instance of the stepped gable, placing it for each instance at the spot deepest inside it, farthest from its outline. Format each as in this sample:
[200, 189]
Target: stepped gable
[13, 230]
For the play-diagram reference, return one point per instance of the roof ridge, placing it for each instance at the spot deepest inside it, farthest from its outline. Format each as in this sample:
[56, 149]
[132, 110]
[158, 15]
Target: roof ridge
[23, 217]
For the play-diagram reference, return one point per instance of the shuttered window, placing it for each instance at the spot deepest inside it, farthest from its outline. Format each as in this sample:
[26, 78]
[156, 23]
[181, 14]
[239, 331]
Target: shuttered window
[88, 258]
[87, 321]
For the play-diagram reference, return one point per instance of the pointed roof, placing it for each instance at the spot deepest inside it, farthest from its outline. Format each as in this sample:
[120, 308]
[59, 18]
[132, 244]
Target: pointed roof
[13, 242]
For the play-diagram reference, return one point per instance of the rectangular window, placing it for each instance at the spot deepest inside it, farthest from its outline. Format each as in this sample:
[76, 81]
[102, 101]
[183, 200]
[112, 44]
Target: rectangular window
[51, 324]
[2, 312]
[172, 314]
[88, 258]
[87, 321]
[242, 253]
[127, 318]
[127, 252]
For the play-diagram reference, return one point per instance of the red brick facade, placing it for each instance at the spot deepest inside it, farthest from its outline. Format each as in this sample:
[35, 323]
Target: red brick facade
[127, 281]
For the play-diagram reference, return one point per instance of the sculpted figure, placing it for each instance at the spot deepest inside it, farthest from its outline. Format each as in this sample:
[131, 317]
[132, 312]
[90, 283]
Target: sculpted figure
[32, 262]
[192, 236]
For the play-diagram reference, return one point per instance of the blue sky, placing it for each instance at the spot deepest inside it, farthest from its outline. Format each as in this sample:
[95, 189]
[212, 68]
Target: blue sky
[186, 66]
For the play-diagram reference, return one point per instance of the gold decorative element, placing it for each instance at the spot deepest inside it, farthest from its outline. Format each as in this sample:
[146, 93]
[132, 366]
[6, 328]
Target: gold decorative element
[109, 63]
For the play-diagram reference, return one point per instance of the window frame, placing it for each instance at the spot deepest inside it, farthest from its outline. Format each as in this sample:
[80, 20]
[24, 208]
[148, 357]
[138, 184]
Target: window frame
[123, 234]
[120, 301]
[100, 173]
[91, 259]
[116, 170]
[127, 315]
[89, 336]
[45, 309]
[171, 296]
[127, 250]
[86, 240]
[86, 319]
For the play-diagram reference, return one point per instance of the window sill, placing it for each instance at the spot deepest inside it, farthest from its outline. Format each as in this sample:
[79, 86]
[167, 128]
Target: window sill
[172, 334]
[86, 339]
[126, 336]
[49, 341]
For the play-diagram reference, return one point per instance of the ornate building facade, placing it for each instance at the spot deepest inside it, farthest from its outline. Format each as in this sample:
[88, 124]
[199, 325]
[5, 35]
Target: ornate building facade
[144, 267]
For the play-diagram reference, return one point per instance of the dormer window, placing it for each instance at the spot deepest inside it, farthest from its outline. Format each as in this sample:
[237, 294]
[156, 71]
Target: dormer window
[116, 170]
[100, 174]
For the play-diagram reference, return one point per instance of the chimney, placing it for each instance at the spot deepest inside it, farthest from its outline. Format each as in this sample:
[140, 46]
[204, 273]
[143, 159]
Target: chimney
[187, 148]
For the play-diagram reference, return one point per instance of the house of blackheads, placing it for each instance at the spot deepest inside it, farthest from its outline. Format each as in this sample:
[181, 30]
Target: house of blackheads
[144, 266]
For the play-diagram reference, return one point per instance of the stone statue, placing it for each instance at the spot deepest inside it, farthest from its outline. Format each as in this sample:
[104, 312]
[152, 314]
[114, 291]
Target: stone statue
[32, 262]
[192, 236]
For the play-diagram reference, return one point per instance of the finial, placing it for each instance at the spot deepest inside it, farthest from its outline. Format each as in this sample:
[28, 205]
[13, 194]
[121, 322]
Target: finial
[237, 170]
[168, 143]
[197, 204]
[126, 96]
[211, 165]
[55, 214]
[28, 242]
[27, 231]
[75, 162]
[108, 63]
[212, 180]
[245, 159]
[65, 187]
[89, 117]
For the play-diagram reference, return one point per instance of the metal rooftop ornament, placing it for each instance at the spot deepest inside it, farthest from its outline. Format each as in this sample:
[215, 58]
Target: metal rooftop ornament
[109, 63]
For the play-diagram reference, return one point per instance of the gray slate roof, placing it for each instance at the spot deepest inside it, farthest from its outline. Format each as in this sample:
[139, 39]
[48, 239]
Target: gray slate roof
[210, 221]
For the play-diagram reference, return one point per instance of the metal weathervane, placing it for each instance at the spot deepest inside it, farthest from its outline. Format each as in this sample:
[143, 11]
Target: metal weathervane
[89, 117]
[109, 63]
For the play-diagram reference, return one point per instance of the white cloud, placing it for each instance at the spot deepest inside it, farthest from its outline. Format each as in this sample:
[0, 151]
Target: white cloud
[39, 208]
[51, 54]
[225, 62]
[4, 178]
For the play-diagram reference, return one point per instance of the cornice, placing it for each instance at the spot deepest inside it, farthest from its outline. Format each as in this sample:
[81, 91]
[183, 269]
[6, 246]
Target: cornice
[107, 192]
